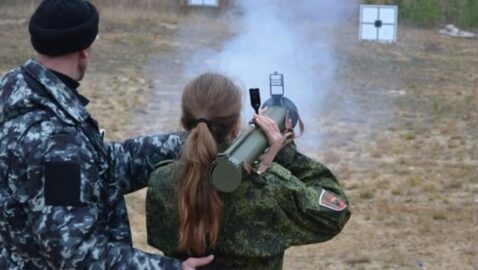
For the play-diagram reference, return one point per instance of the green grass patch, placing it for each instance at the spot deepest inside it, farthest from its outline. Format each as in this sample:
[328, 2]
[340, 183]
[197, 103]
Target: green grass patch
[397, 191]
[410, 136]
[463, 13]
[439, 215]
[414, 181]
[383, 184]
[366, 194]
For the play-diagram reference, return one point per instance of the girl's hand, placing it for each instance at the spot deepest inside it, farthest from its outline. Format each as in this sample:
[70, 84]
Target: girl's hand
[269, 127]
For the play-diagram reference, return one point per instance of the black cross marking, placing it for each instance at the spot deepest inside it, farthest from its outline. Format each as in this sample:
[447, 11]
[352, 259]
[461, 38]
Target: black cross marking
[378, 23]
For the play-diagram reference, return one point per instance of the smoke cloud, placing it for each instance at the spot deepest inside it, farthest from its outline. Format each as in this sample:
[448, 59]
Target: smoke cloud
[295, 38]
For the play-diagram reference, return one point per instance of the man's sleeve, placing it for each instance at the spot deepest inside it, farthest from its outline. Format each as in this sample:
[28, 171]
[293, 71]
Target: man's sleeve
[134, 159]
[65, 211]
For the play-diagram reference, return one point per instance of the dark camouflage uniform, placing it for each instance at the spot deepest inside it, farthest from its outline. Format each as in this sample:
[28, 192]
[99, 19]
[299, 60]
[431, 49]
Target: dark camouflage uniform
[260, 221]
[44, 225]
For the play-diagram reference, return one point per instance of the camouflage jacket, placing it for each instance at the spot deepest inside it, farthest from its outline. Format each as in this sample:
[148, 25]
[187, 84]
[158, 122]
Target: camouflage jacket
[61, 186]
[300, 202]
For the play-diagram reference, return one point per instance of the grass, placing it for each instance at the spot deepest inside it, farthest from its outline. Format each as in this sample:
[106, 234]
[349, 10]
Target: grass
[383, 184]
[409, 177]
[366, 194]
[397, 191]
[410, 136]
[432, 12]
[16, 10]
[439, 216]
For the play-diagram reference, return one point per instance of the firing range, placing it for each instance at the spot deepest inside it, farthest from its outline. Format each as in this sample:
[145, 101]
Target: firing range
[378, 99]
[396, 120]
[377, 106]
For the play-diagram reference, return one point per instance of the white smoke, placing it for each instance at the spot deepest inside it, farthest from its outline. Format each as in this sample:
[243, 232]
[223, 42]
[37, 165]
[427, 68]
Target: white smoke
[295, 38]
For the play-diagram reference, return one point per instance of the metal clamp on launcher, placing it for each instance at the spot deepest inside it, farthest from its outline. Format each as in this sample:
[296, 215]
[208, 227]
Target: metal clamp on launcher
[227, 170]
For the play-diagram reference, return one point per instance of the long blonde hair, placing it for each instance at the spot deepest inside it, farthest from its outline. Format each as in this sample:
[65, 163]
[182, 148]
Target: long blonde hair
[215, 101]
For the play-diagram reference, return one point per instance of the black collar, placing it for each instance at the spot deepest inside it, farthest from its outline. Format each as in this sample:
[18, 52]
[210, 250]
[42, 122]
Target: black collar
[73, 85]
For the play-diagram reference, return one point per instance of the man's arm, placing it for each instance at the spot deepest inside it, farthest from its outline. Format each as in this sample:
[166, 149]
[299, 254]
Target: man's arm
[134, 159]
[67, 213]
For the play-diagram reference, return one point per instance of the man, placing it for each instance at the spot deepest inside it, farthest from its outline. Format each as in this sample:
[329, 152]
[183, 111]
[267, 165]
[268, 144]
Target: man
[61, 186]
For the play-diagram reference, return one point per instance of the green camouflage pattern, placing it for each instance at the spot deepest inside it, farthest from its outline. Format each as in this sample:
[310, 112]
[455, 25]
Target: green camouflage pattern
[262, 218]
[36, 128]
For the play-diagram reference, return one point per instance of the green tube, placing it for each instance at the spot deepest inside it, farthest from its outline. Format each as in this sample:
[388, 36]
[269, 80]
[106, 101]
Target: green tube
[226, 170]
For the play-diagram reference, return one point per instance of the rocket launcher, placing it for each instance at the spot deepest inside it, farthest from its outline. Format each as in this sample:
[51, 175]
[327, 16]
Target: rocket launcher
[226, 172]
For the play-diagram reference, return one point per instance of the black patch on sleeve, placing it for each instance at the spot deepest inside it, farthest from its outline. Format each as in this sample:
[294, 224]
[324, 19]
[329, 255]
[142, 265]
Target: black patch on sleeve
[62, 183]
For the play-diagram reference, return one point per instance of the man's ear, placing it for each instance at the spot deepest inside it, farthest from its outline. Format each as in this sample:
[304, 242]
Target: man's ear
[84, 53]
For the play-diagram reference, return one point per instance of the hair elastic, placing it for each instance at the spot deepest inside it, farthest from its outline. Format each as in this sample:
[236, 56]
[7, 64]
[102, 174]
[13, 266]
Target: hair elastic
[201, 120]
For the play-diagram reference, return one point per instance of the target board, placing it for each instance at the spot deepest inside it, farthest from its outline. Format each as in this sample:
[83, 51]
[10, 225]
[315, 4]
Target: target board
[206, 3]
[378, 23]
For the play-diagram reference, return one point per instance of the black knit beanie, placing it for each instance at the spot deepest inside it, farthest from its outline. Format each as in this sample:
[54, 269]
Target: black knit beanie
[60, 27]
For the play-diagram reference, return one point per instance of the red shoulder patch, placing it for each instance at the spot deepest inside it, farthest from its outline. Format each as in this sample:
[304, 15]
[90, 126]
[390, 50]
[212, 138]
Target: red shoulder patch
[331, 201]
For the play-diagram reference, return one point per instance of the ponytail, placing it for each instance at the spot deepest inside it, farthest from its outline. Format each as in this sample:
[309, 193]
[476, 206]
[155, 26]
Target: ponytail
[211, 107]
[199, 203]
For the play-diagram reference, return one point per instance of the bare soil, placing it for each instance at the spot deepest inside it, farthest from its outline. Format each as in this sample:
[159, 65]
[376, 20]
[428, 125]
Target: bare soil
[401, 131]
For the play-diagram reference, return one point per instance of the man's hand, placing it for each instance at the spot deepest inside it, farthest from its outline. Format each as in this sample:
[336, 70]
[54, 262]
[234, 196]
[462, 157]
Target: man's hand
[192, 263]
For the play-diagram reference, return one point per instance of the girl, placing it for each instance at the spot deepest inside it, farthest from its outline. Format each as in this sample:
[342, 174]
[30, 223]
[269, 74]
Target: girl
[300, 201]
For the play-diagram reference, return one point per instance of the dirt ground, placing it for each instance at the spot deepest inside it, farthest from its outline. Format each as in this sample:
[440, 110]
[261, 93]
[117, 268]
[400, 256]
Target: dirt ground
[401, 131]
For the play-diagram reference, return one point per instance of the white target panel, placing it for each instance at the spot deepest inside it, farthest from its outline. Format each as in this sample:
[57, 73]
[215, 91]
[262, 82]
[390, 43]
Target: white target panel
[378, 23]
[206, 3]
